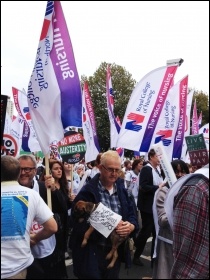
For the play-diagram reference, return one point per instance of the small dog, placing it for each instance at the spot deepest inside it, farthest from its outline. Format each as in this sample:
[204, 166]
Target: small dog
[84, 209]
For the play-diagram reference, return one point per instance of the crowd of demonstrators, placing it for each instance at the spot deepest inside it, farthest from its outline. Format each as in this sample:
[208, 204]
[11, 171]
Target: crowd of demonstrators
[90, 262]
[116, 188]
[20, 206]
[149, 181]
[163, 253]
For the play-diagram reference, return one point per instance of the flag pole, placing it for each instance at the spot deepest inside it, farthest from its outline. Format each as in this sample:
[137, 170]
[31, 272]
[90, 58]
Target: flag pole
[47, 170]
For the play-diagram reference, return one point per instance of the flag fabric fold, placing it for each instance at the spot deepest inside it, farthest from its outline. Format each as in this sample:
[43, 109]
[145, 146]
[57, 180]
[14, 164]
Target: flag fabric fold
[144, 108]
[89, 126]
[54, 91]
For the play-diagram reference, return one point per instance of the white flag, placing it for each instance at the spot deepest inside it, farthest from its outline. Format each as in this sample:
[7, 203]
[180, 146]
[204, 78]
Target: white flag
[54, 91]
[21, 104]
[144, 108]
[169, 118]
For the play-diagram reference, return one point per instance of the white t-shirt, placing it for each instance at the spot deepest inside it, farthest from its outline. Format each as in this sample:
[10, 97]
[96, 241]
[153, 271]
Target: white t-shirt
[20, 206]
[46, 246]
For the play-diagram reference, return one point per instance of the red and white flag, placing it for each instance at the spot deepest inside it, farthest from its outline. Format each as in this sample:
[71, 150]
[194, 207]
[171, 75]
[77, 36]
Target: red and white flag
[89, 126]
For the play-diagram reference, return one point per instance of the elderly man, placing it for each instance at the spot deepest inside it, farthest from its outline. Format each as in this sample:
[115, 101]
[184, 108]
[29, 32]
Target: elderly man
[90, 262]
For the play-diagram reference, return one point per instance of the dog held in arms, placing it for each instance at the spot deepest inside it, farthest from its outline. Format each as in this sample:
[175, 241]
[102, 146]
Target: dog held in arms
[84, 209]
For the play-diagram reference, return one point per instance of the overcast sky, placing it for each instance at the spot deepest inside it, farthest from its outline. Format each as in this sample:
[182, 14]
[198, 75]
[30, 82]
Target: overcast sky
[137, 35]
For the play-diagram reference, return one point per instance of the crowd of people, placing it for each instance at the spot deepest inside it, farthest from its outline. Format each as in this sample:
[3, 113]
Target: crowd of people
[37, 237]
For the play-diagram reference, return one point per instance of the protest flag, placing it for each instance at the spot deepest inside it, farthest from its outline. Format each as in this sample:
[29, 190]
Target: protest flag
[184, 154]
[114, 126]
[89, 126]
[195, 128]
[180, 130]
[169, 117]
[29, 140]
[144, 107]
[54, 91]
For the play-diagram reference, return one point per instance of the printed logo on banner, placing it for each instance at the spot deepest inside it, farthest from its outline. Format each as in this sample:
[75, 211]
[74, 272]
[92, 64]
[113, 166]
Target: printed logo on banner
[164, 137]
[136, 119]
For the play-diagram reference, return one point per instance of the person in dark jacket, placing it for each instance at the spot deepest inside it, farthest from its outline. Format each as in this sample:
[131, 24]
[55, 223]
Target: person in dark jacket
[149, 181]
[90, 262]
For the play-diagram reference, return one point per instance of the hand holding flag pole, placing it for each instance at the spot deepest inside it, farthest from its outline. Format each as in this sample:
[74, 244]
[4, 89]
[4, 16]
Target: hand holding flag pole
[47, 170]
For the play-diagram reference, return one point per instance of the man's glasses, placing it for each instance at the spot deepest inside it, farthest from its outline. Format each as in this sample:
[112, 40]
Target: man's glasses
[111, 170]
[27, 169]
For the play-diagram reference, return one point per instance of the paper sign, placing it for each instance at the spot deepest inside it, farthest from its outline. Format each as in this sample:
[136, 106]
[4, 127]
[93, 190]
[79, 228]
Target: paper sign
[104, 220]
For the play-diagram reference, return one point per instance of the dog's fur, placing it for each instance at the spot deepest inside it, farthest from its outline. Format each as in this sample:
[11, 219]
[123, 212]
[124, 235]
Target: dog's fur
[84, 209]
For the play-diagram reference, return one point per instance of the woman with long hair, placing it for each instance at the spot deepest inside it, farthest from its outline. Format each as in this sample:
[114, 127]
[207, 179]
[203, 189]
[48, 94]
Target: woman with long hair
[58, 183]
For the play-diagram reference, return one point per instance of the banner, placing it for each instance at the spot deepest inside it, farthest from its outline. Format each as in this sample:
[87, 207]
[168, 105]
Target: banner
[16, 131]
[197, 150]
[169, 118]
[180, 131]
[54, 92]
[144, 108]
[89, 126]
[3, 114]
[29, 140]
[184, 155]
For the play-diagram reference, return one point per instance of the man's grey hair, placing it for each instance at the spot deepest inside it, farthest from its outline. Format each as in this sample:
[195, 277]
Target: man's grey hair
[28, 156]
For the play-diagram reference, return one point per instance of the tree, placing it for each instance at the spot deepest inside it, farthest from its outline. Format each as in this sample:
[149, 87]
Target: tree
[122, 84]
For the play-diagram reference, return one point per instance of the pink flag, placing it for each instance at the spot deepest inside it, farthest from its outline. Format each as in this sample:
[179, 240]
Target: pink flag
[54, 91]
[184, 155]
[195, 128]
[89, 126]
